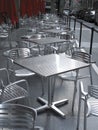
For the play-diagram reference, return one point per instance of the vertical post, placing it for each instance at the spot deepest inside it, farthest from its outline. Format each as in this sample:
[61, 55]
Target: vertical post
[52, 6]
[69, 21]
[74, 24]
[80, 34]
[91, 41]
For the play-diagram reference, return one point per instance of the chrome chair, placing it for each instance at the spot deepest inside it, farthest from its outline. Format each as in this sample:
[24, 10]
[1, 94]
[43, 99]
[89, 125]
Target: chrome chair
[16, 116]
[19, 53]
[90, 99]
[14, 54]
[15, 36]
[70, 44]
[36, 50]
[12, 91]
[74, 76]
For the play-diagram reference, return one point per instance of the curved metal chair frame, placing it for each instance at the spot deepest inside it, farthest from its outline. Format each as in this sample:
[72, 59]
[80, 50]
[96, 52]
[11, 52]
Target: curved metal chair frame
[74, 76]
[16, 116]
[19, 53]
[90, 103]
[35, 49]
[12, 91]
[14, 54]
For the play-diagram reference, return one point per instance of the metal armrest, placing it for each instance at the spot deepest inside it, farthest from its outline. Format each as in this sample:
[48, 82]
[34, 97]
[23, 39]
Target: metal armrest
[54, 48]
[95, 67]
[18, 82]
[33, 46]
[10, 67]
[84, 95]
[6, 74]
[14, 91]
[10, 59]
[1, 86]
[93, 91]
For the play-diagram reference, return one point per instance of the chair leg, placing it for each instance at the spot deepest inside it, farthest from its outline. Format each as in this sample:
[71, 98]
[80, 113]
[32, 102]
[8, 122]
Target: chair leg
[91, 79]
[75, 90]
[61, 82]
[85, 117]
[28, 101]
[53, 87]
[42, 81]
[79, 108]
[74, 95]
[28, 98]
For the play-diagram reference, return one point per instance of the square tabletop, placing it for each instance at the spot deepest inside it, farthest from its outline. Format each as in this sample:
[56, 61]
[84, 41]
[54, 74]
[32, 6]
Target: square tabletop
[46, 40]
[50, 65]
[54, 31]
[58, 31]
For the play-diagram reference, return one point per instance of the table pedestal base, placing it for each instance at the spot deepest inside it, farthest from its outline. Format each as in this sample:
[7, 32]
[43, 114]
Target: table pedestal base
[52, 106]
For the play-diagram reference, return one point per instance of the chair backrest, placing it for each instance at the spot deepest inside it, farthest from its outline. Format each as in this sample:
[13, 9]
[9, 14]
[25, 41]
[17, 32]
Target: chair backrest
[82, 56]
[19, 53]
[39, 35]
[65, 35]
[15, 91]
[17, 116]
[12, 91]
[93, 91]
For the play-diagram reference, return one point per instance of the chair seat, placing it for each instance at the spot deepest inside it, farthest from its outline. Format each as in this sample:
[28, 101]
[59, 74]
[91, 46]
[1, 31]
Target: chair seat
[51, 49]
[68, 76]
[71, 76]
[37, 49]
[38, 128]
[92, 106]
[23, 73]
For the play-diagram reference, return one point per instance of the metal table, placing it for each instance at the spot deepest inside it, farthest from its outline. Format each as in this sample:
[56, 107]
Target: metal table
[56, 32]
[48, 66]
[51, 42]
[46, 40]
[53, 32]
